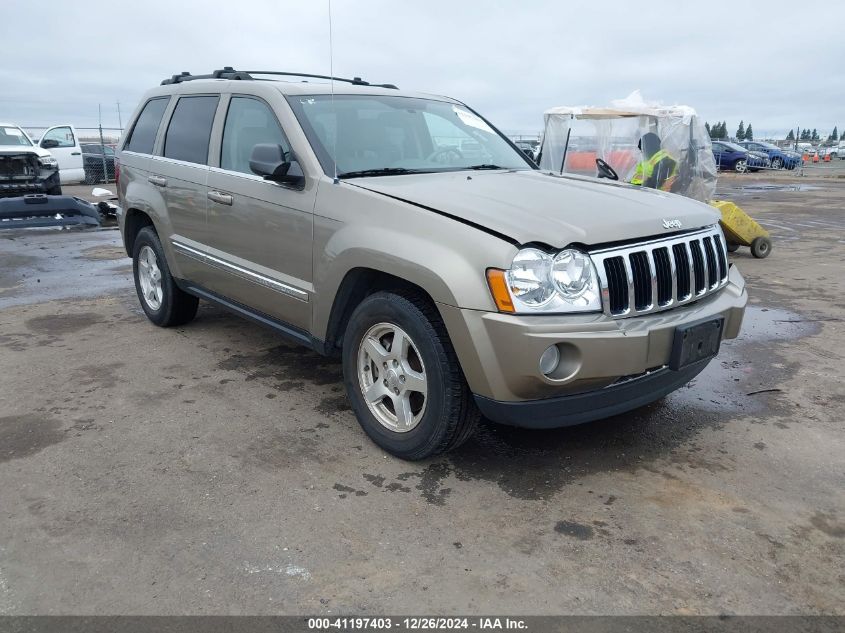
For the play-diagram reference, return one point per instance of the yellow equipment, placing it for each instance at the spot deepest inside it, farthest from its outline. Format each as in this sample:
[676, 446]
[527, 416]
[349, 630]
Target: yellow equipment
[741, 229]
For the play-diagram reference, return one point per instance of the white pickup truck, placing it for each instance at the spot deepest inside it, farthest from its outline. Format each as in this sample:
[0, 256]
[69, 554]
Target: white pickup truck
[31, 180]
[62, 142]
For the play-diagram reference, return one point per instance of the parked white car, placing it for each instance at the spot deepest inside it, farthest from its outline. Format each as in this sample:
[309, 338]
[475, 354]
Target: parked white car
[62, 142]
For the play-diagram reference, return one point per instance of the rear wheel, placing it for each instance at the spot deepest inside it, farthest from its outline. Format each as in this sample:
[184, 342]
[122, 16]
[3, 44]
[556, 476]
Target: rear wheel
[761, 247]
[164, 303]
[403, 378]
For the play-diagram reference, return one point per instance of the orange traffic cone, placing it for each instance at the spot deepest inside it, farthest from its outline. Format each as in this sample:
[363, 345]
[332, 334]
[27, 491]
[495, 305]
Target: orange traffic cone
[805, 158]
[827, 158]
[816, 157]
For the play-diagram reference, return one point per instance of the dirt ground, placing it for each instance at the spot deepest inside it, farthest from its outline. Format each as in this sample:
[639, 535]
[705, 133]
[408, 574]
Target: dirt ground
[216, 469]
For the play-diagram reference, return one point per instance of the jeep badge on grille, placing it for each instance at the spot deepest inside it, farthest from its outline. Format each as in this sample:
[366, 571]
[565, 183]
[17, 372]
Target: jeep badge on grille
[671, 224]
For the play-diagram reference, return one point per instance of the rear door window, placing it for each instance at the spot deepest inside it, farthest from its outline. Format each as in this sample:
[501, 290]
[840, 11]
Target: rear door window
[190, 129]
[143, 135]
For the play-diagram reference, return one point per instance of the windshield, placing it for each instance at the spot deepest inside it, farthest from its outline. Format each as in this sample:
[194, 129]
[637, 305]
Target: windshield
[11, 135]
[375, 133]
[735, 147]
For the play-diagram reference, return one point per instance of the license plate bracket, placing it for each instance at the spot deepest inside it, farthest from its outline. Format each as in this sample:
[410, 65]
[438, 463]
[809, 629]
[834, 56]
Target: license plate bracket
[696, 342]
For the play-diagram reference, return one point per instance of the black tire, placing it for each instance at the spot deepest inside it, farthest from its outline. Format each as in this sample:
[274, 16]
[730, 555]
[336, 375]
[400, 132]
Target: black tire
[761, 247]
[450, 415]
[177, 307]
[777, 163]
[740, 166]
[55, 191]
[90, 178]
[732, 247]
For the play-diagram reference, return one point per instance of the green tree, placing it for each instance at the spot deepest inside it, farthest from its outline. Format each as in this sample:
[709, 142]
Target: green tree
[815, 136]
[707, 127]
[740, 132]
[834, 136]
[805, 135]
[723, 130]
[749, 134]
[790, 136]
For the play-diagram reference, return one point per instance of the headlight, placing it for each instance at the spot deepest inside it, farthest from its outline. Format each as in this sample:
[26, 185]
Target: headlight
[529, 277]
[48, 161]
[539, 283]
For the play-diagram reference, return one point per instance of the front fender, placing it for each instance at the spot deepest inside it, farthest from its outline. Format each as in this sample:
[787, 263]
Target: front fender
[444, 257]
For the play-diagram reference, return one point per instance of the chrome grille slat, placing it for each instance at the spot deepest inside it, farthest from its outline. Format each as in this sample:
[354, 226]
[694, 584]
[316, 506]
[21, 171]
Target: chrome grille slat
[634, 280]
[652, 269]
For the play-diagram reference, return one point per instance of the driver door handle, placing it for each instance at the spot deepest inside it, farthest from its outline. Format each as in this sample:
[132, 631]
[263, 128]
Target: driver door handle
[158, 181]
[220, 197]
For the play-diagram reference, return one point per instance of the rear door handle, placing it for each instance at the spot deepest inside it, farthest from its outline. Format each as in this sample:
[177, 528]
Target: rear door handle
[220, 197]
[76, 153]
[158, 181]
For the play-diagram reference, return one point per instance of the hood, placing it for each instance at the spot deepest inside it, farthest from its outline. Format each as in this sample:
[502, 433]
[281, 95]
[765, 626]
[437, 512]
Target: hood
[532, 206]
[23, 149]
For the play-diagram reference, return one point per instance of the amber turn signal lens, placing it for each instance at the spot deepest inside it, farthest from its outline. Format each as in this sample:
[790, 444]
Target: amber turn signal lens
[499, 289]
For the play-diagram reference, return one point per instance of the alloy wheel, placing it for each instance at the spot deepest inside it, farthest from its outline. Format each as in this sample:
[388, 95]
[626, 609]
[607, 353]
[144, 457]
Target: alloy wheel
[149, 275]
[392, 377]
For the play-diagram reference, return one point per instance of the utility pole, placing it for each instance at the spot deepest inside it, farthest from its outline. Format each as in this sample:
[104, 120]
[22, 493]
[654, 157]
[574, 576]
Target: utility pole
[119, 119]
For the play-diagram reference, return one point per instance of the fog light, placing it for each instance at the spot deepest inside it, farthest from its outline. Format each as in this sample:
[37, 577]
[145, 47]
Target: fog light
[549, 360]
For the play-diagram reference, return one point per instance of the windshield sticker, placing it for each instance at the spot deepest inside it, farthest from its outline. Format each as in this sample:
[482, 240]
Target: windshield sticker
[468, 118]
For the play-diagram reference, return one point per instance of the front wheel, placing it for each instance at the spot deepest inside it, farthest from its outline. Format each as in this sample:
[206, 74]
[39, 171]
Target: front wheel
[164, 303]
[777, 163]
[740, 167]
[403, 378]
[733, 247]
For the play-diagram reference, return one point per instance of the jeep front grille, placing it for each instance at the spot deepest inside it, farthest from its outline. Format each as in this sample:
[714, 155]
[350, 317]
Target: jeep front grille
[661, 274]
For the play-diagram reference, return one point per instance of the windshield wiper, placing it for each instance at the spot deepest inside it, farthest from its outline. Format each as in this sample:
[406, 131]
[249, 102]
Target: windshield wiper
[484, 166]
[383, 171]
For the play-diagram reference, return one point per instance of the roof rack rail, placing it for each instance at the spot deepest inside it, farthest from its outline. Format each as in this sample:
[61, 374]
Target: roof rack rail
[227, 72]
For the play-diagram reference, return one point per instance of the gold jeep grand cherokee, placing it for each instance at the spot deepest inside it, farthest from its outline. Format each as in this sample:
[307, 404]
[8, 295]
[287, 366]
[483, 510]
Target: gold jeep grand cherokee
[405, 233]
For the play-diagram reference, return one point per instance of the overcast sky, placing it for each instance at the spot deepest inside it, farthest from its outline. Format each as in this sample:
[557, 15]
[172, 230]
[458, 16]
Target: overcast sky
[777, 64]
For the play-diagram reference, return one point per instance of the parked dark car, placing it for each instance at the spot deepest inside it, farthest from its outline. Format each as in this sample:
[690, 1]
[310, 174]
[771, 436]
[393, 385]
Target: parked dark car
[92, 161]
[732, 157]
[780, 160]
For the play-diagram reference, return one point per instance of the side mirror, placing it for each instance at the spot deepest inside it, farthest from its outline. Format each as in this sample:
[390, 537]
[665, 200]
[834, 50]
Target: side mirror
[49, 143]
[272, 162]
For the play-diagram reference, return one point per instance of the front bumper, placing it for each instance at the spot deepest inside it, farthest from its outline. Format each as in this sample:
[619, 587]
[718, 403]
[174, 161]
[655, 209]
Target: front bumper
[593, 405]
[500, 353]
[46, 181]
[37, 210]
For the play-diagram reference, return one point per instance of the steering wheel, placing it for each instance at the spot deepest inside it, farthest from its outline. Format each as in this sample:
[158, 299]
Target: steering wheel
[605, 170]
[444, 151]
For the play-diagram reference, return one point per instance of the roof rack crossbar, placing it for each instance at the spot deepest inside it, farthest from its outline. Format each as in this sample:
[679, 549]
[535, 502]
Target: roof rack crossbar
[227, 72]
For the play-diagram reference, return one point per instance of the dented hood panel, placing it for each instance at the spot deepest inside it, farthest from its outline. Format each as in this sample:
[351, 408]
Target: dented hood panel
[532, 206]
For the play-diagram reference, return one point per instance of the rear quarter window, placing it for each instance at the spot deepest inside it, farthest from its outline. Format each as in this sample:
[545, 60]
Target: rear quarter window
[143, 134]
[190, 129]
